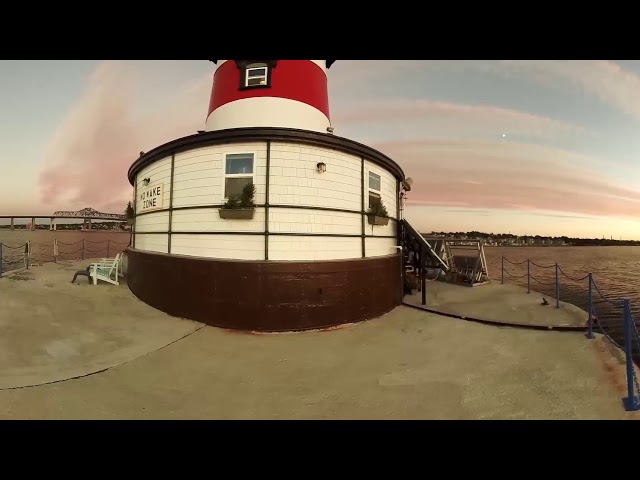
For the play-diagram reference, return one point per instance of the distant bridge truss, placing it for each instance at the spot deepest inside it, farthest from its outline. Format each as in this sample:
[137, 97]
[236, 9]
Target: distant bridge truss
[90, 213]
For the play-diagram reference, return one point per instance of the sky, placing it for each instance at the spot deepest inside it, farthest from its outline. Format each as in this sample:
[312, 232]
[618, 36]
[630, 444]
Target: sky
[527, 147]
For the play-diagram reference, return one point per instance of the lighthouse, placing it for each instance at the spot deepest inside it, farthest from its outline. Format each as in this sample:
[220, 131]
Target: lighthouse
[266, 220]
[270, 93]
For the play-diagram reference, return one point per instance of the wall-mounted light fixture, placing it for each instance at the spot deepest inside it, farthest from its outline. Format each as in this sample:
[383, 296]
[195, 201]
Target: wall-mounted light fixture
[145, 181]
[406, 187]
[321, 167]
[406, 183]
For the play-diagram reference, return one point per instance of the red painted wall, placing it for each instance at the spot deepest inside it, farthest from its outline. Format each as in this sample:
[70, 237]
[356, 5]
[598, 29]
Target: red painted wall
[300, 80]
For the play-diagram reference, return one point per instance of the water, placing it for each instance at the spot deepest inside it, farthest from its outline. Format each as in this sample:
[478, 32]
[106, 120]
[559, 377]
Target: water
[72, 245]
[616, 273]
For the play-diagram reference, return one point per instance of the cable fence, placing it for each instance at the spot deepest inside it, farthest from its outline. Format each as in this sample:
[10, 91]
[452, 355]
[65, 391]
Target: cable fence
[14, 257]
[612, 317]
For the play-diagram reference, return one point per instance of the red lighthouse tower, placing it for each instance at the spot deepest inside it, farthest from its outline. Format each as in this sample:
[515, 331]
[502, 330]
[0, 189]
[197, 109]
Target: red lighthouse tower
[270, 93]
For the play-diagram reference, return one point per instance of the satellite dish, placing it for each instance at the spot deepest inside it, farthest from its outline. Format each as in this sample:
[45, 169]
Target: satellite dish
[406, 183]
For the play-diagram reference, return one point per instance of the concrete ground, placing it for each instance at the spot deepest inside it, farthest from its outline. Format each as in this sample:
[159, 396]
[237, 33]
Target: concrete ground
[52, 330]
[494, 302]
[408, 364]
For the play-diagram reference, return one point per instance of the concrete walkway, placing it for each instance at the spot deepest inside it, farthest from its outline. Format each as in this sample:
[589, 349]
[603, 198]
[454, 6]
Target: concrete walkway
[408, 364]
[405, 365]
[496, 303]
[52, 330]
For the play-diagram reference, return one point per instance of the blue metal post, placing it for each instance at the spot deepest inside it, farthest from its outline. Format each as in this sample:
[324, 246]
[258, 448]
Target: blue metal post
[590, 335]
[423, 280]
[631, 403]
[502, 272]
[557, 289]
[528, 276]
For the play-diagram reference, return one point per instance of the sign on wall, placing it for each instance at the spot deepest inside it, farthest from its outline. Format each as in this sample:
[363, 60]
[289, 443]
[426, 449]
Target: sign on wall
[150, 198]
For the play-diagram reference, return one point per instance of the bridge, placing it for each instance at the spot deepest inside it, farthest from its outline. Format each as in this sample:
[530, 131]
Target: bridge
[87, 214]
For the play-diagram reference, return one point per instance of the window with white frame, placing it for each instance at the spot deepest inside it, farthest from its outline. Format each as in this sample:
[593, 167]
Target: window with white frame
[238, 172]
[375, 184]
[256, 74]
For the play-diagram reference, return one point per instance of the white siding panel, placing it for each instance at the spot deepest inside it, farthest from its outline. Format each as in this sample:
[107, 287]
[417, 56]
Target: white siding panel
[293, 220]
[295, 180]
[153, 243]
[153, 222]
[314, 248]
[239, 247]
[208, 220]
[379, 247]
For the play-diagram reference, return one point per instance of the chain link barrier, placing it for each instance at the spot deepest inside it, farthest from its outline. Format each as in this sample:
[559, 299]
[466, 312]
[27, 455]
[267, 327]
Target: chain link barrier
[604, 311]
[13, 255]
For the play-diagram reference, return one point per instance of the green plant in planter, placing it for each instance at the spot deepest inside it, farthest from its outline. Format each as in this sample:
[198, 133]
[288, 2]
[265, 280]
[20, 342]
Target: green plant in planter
[129, 213]
[232, 202]
[244, 200]
[378, 214]
[247, 196]
[240, 206]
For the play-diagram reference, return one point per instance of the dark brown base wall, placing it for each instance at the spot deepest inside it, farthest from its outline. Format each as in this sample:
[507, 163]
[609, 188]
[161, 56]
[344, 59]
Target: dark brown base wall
[266, 296]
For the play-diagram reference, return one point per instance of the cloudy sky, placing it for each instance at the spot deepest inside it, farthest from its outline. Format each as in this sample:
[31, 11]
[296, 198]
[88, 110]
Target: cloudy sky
[531, 147]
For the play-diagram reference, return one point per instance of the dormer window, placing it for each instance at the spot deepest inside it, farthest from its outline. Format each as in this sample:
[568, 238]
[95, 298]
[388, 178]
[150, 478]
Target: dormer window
[255, 73]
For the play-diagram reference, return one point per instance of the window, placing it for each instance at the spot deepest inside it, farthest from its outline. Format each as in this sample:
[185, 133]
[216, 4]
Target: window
[374, 189]
[256, 74]
[238, 172]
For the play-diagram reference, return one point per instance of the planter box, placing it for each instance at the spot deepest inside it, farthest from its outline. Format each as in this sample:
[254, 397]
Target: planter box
[236, 213]
[373, 220]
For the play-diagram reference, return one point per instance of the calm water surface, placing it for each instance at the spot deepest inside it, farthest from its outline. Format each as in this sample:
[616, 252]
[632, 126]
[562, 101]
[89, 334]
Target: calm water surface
[72, 245]
[616, 272]
[615, 269]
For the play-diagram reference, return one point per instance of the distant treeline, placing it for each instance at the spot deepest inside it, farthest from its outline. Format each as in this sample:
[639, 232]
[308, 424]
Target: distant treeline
[501, 237]
[603, 242]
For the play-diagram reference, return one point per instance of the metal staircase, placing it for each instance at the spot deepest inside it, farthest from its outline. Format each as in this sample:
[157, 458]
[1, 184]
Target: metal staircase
[412, 240]
[455, 261]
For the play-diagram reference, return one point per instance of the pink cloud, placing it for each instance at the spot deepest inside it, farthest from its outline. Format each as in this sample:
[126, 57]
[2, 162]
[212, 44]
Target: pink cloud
[508, 176]
[437, 118]
[86, 161]
[608, 81]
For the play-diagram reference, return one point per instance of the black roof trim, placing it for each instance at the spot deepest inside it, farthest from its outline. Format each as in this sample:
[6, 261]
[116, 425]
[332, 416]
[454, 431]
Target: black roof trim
[329, 62]
[234, 135]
